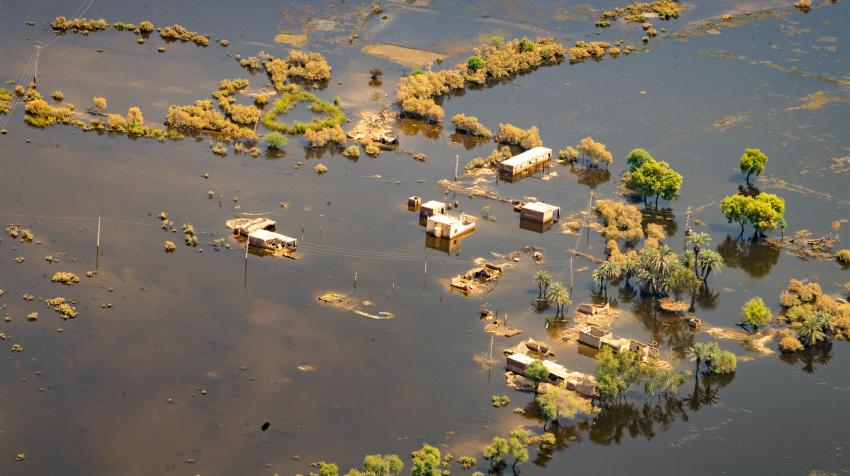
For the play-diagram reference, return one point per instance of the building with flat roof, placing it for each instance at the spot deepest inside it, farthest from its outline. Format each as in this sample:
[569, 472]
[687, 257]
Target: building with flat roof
[539, 212]
[432, 207]
[447, 226]
[526, 161]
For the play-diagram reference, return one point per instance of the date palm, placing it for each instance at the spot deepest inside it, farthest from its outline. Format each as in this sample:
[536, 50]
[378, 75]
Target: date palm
[543, 280]
[559, 295]
[814, 328]
[698, 239]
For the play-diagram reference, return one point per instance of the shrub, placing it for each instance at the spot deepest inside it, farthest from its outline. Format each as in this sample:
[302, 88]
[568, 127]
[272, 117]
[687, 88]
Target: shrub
[65, 277]
[789, 343]
[723, 362]
[843, 256]
[525, 139]
[203, 117]
[570, 154]
[466, 462]
[275, 140]
[372, 149]
[474, 63]
[99, 103]
[470, 125]
[58, 96]
[145, 27]
[756, 313]
[352, 152]
[180, 33]
[309, 66]
[170, 246]
[321, 137]
[334, 115]
[260, 100]
[622, 221]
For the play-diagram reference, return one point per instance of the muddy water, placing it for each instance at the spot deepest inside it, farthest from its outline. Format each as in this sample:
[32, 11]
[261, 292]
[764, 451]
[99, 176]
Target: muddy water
[198, 349]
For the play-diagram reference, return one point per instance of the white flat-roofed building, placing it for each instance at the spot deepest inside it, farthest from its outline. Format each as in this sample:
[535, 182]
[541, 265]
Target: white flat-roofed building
[447, 226]
[526, 161]
[539, 212]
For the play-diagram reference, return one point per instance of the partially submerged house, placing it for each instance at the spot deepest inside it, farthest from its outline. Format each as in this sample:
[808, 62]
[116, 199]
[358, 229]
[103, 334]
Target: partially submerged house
[270, 240]
[527, 161]
[593, 336]
[432, 207]
[414, 201]
[246, 226]
[539, 212]
[578, 382]
[447, 226]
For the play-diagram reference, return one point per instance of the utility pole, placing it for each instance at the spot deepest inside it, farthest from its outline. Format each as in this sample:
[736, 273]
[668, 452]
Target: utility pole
[97, 251]
[457, 162]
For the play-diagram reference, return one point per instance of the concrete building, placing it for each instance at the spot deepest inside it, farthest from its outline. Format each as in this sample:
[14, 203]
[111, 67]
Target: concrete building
[539, 212]
[526, 161]
[432, 207]
[270, 240]
[447, 226]
[578, 382]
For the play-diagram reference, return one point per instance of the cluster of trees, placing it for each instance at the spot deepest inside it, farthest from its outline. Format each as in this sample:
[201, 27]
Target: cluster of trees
[515, 447]
[717, 361]
[617, 373]
[621, 221]
[552, 293]
[373, 465]
[815, 316]
[523, 138]
[650, 177]
[558, 402]
[244, 114]
[594, 154]
[416, 93]
[764, 211]
[322, 137]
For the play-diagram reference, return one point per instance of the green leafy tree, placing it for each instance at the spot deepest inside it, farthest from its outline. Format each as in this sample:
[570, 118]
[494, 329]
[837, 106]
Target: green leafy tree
[496, 451]
[734, 208]
[426, 461]
[543, 280]
[753, 162]
[683, 280]
[655, 178]
[537, 372]
[709, 260]
[638, 157]
[548, 408]
[606, 272]
[723, 362]
[525, 45]
[610, 375]
[701, 352]
[559, 295]
[766, 212]
[382, 465]
[654, 268]
[518, 442]
[756, 313]
[475, 63]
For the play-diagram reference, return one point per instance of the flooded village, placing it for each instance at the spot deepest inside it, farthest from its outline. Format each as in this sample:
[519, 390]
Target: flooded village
[424, 237]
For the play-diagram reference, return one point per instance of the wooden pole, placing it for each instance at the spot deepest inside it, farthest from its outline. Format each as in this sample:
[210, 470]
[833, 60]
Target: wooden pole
[97, 251]
[457, 161]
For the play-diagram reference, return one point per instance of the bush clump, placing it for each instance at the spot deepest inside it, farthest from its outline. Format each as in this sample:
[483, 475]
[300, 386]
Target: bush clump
[322, 137]
[843, 256]
[58, 96]
[41, 114]
[789, 343]
[352, 152]
[275, 140]
[636, 12]
[621, 221]
[525, 139]
[65, 278]
[244, 114]
[202, 117]
[85, 25]
[170, 247]
[470, 125]
[145, 27]
[500, 400]
[180, 33]
[5, 99]
[815, 314]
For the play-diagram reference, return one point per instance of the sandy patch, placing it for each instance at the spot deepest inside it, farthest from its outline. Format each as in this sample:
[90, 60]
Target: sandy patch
[403, 55]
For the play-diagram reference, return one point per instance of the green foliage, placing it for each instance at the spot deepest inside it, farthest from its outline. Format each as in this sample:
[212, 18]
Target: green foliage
[496, 451]
[683, 280]
[717, 361]
[559, 295]
[518, 441]
[814, 327]
[426, 461]
[475, 63]
[548, 407]
[334, 115]
[416, 72]
[756, 313]
[654, 268]
[525, 46]
[500, 401]
[753, 161]
[655, 178]
[843, 256]
[723, 362]
[382, 465]
[5, 99]
[638, 157]
[275, 140]
[543, 280]
[617, 373]
[765, 211]
[497, 41]
[537, 372]
[466, 462]
[328, 469]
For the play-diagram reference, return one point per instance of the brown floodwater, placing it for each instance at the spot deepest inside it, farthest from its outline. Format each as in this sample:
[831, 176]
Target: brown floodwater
[177, 360]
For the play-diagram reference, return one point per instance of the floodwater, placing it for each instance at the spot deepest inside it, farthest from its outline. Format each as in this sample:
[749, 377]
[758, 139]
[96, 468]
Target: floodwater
[177, 360]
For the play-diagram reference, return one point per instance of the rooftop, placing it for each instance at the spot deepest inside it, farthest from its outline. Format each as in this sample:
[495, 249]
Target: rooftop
[540, 207]
[433, 204]
[526, 156]
[267, 235]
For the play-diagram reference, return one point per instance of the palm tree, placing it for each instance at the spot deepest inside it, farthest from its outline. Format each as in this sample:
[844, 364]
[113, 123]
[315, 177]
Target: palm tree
[559, 295]
[543, 280]
[702, 352]
[655, 267]
[709, 261]
[813, 329]
[607, 271]
[698, 239]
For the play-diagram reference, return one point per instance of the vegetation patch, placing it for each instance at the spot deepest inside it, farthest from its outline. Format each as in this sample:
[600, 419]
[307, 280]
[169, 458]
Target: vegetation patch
[202, 117]
[61, 306]
[5, 99]
[637, 12]
[65, 277]
[525, 139]
[333, 114]
[622, 221]
[470, 125]
[815, 315]
[181, 33]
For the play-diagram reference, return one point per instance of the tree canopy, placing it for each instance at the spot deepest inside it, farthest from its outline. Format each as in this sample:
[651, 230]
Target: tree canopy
[756, 313]
[753, 162]
[654, 178]
[764, 211]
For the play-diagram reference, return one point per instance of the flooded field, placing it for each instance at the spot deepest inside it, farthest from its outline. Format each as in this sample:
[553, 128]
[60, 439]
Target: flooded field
[208, 359]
